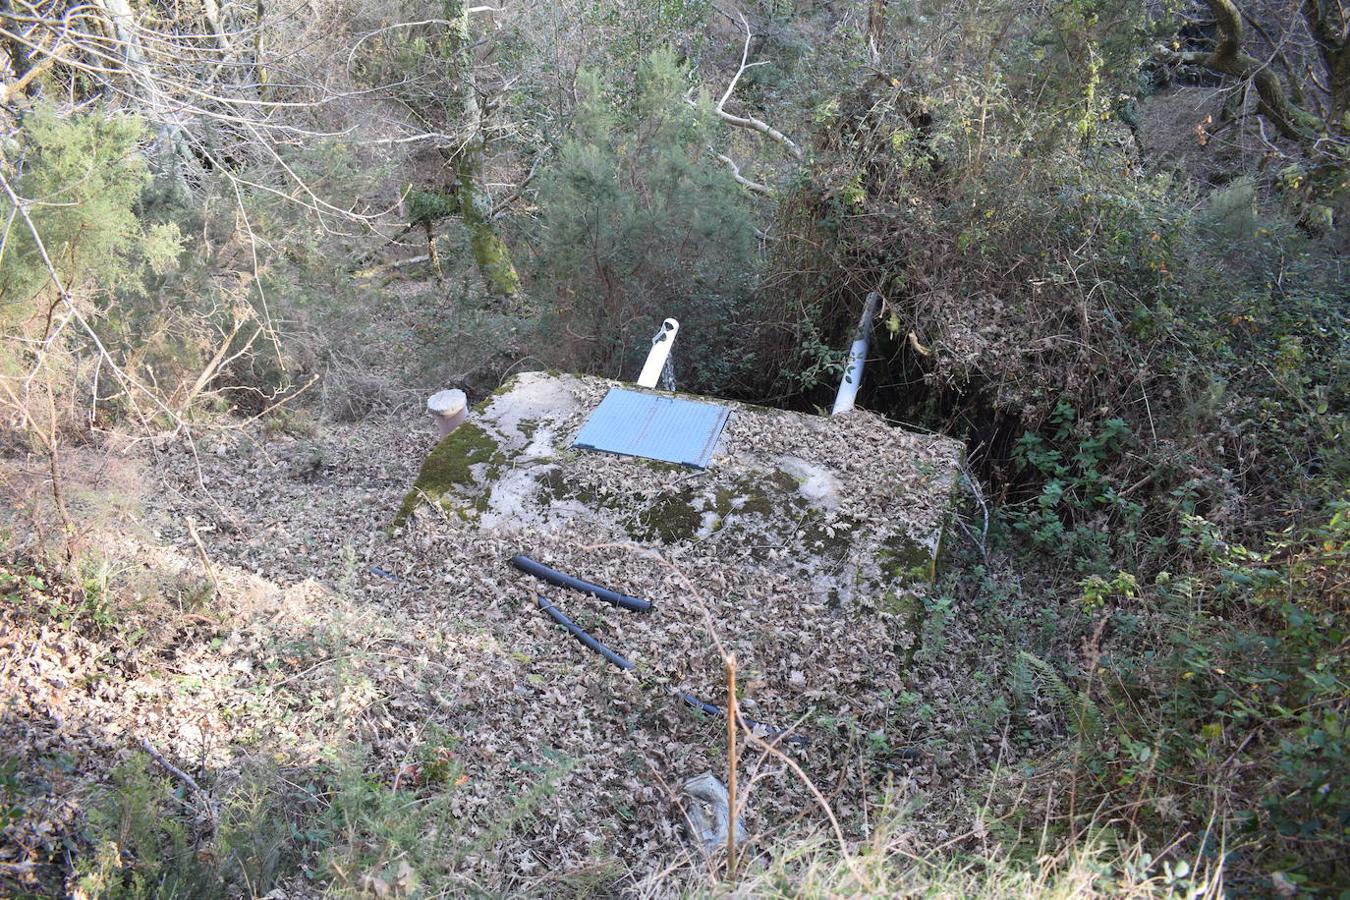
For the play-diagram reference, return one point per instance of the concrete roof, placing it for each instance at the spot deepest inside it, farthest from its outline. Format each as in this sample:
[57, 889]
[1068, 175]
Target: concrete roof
[848, 506]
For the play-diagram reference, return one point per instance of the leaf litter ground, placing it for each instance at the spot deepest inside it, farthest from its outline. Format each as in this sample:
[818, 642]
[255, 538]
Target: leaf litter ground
[307, 653]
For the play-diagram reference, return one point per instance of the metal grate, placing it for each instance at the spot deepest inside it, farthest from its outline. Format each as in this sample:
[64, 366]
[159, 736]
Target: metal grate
[668, 429]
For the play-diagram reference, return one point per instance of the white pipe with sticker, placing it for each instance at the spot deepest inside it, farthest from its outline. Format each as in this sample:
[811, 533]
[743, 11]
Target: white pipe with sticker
[660, 352]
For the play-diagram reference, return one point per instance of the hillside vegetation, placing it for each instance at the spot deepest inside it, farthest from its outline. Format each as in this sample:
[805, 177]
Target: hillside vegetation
[244, 241]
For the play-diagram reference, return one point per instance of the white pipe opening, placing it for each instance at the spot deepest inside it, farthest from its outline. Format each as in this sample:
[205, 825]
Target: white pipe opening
[448, 410]
[660, 352]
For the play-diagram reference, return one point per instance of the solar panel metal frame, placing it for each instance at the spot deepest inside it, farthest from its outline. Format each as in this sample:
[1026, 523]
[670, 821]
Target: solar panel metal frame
[653, 426]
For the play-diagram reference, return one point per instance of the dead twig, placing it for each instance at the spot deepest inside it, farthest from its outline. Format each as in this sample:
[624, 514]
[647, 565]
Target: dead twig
[201, 553]
[730, 663]
[750, 122]
[212, 806]
[753, 187]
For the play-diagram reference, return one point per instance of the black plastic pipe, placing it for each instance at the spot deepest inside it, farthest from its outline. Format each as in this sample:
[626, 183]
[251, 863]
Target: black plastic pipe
[580, 634]
[591, 642]
[553, 576]
[715, 710]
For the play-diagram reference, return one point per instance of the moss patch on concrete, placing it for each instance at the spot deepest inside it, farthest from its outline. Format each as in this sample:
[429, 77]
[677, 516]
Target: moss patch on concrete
[772, 497]
[450, 466]
[555, 486]
[905, 561]
[670, 518]
[831, 540]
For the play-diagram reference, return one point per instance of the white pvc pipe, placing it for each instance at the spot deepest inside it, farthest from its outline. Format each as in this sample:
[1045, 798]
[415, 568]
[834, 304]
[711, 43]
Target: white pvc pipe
[660, 352]
[857, 356]
[448, 410]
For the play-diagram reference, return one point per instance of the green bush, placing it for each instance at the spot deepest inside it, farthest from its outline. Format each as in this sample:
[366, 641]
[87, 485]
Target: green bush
[338, 823]
[84, 176]
[1078, 515]
[413, 838]
[1232, 723]
[140, 845]
[640, 224]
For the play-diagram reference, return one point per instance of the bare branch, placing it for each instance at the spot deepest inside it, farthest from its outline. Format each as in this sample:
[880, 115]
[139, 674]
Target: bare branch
[753, 186]
[212, 807]
[749, 122]
[9, 91]
[500, 207]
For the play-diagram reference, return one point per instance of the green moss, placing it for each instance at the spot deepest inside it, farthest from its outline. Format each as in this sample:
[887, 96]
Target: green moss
[909, 609]
[670, 519]
[489, 250]
[504, 388]
[905, 606]
[660, 466]
[906, 561]
[768, 497]
[831, 543]
[450, 466]
[554, 485]
[494, 261]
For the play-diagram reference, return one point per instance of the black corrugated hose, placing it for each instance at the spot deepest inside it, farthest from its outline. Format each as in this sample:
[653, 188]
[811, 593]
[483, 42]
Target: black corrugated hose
[615, 659]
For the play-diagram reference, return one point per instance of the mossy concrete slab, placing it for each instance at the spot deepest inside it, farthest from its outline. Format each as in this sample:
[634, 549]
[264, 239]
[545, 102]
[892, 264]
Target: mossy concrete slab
[850, 505]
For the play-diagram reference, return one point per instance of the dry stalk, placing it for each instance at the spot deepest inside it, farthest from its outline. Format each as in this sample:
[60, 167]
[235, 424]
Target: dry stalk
[767, 747]
[212, 808]
[730, 663]
[52, 441]
[201, 553]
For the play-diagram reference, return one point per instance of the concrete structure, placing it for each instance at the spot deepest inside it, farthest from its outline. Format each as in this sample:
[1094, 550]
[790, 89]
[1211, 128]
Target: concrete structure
[848, 507]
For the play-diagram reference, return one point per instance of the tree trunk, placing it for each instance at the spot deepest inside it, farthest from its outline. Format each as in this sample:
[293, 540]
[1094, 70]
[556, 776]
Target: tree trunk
[259, 47]
[1228, 58]
[475, 207]
[14, 48]
[876, 29]
[1328, 25]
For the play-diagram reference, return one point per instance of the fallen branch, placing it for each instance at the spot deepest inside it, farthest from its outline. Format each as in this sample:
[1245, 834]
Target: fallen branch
[730, 663]
[753, 186]
[212, 807]
[396, 264]
[749, 122]
[205, 559]
[220, 360]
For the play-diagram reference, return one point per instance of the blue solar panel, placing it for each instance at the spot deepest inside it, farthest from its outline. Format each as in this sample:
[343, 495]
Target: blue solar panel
[654, 427]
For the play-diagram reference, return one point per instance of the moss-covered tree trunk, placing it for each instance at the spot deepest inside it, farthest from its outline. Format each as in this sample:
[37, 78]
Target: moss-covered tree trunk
[475, 207]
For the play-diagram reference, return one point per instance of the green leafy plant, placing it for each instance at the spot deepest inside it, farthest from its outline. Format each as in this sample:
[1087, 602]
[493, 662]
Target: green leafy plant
[11, 790]
[1079, 513]
[1084, 717]
[1240, 716]
[1097, 590]
[413, 837]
